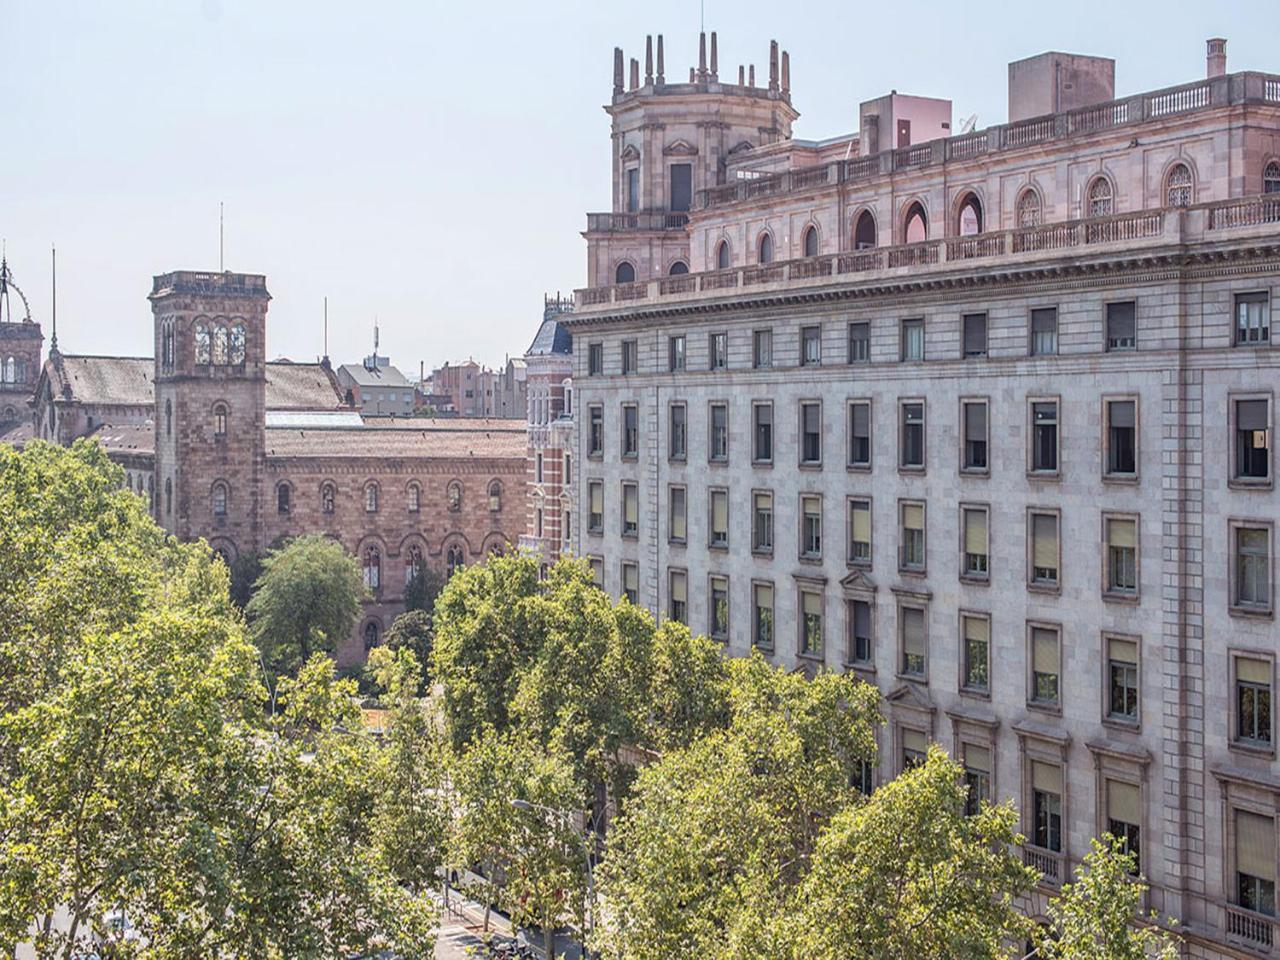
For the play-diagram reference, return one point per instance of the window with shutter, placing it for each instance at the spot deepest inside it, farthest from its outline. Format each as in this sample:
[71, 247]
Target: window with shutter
[975, 335]
[719, 518]
[811, 625]
[1122, 331]
[1255, 862]
[1045, 667]
[1044, 331]
[915, 748]
[859, 614]
[763, 615]
[860, 433]
[1046, 787]
[1122, 452]
[912, 550]
[914, 642]
[1122, 556]
[1122, 675]
[677, 524]
[860, 531]
[679, 596]
[977, 653]
[1044, 549]
[975, 543]
[1253, 440]
[1124, 817]
[977, 777]
[975, 435]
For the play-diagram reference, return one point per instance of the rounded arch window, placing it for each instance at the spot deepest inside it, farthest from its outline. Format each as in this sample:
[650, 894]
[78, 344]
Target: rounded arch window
[678, 269]
[414, 495]
[204, 343]
[454, 496]
[235, 344]
[371, 498]
[1029, 208]
[495, 496]
[453, 559]
[1271, 177]
[168, 418]
[811, 242]
[1101, 198]
[1178, 186]
[370, 635]
[722, 255]
[915, 226]
[217, 498]
[328, 497]
[626, 273]
[282, 499]
[10, 413]
[864, 231]
[220, 346]
[969, 215]
[219, 420]
[412, 564]
[372, 568]
[765, 248]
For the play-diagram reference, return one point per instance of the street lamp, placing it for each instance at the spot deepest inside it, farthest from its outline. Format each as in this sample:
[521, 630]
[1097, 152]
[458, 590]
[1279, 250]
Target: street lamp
[567, 818]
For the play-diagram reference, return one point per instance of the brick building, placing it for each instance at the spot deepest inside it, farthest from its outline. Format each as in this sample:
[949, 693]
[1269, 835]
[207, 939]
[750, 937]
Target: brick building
[986, 419]
[20, 349]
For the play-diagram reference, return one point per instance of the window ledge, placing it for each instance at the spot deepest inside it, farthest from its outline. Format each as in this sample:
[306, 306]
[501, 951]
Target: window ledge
[812, 560]
[975, 473]
[811, 658]
[858, 467]
[914, 471]
[1052, 709]
[1113, 596]
[1121, 725]
[1122, 479]
[810, 464]
[975, 694]
[1052, 590]
[975, 580]
[1248, 483]
[914, 573]
[718, 547]
[762, 464]
[862, 669]
[1251, 613]
[1247, 749]
[1045, 476]
[762, 552]
[912, 678]
[863, 565]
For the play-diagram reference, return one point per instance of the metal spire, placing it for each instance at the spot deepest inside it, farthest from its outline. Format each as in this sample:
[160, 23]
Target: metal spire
[53, 340]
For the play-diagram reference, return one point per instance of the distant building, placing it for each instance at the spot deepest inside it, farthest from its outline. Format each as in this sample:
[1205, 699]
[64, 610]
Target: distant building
[20, 345]
[376, 388]
[471, 390]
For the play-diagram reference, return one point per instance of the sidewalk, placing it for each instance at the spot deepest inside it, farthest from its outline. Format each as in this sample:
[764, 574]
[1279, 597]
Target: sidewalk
[462, 926]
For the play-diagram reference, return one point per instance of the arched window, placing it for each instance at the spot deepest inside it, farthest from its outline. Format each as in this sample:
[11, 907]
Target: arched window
[219, 345]
[626, 273]
[969, 216]
[864, 232]
[1029, 208]
[128, 479]
[204, 348]
[328, 494]
[168, 418]
[412, 564]
[282, 499]
[1178, 186]
[219, 421]
[495, 496]
[678, 269]
[372, 568]
[9, 369]
[453, 561]
[811, 242]
[414, 493]
[371, 498]
[455, 496]
[1100, 198]
[915, 226]
[217, 498]
[722, 255]
[765, 248]
[1271, 177]
[370, 635]
[235, 348]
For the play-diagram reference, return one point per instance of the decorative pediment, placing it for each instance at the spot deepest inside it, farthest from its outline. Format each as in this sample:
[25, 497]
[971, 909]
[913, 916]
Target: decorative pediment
[858, 581]
[629, 152]
[909, 696]
[680, 148]
[742, 147]
[1119, 750]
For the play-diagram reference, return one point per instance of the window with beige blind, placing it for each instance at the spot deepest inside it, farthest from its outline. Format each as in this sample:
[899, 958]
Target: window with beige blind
[860, 643]
[677, 515]
[977, 777]
[1043, 530]
[595, 509]
[718, 608]
[1122, 555]
[860, 434]
[914, 640]
[811, 527]
[762, 522]
[976, 653]
[860, 532]
[915, 748]
[1124, 817]
[1253, 701]
[678, 608]
[1255, 862]
[762, 615]
[630, 510]
[1046, 805]
[597, 571]
[974, 450]
[1251, 589]
[631, 582]
[973, 522]
[719, 519]
[1122, 679]
[811, 624]
[1046, 666]
[911, 554]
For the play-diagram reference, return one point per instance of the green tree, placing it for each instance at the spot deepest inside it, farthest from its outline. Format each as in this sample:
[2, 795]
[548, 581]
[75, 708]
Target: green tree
[412, 631]
[422, 589]
[306, 601]
[1098, 916]
[245, 571]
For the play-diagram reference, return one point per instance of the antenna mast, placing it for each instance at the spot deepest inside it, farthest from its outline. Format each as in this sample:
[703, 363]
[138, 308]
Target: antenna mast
[53, 341]
[221, 268]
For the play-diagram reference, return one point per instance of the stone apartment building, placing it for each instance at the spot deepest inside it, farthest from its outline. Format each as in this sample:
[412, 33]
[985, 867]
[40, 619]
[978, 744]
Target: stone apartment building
[376, 388]
[474, 390]
[984, 418]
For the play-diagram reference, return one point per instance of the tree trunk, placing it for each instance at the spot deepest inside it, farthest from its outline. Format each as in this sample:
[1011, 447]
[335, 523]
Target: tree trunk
[549, 940]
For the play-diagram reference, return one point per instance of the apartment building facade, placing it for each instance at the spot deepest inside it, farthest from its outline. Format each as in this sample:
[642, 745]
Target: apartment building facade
[986, 419]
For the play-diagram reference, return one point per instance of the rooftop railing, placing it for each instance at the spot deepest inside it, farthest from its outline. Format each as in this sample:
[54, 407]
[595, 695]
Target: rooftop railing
[1201, 222]
[646, 220]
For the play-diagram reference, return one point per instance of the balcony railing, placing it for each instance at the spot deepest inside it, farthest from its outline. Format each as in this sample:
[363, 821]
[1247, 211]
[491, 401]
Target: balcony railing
[647, 220]
[1245, 212]
[1249, 929]
[1047, 862]
[1236, 88]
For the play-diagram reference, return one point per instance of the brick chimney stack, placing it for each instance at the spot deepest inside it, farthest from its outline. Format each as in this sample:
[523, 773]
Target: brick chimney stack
[1216, 60]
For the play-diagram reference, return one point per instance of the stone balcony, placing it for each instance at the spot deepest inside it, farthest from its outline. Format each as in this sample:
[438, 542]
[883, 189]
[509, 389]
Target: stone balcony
[1166, 227]
[653, 220]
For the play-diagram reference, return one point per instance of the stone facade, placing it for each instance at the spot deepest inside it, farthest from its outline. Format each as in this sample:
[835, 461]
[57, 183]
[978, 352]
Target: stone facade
[1019, 473]
[20, 349]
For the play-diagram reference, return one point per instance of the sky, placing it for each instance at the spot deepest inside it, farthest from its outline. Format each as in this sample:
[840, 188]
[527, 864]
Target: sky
[430, 165]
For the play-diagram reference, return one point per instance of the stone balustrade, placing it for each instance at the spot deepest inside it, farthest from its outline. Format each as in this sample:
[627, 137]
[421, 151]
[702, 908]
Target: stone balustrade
[1249, 929]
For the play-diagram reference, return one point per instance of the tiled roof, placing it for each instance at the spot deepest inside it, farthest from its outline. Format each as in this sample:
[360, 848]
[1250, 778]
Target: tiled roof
[552, 338]
[16, 432]
[409, 444]
[299, 386]
[454, 424]
[379, 377]
[132, 438]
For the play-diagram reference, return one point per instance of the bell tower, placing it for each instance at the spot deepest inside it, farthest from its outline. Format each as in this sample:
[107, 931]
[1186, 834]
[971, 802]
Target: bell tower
[210, 419]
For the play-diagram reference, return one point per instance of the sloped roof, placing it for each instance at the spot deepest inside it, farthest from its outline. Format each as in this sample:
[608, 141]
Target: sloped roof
[450, 424]
[361, 375]
[16, 432]
[131, 438]
[408, 444]
[300, 386]
[551, 338]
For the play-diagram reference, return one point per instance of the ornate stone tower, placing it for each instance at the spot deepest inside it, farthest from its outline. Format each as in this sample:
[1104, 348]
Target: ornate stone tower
[210, 388]
[20, 343]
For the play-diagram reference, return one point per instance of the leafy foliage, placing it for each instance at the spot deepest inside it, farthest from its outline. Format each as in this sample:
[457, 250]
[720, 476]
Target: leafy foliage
[412, 632]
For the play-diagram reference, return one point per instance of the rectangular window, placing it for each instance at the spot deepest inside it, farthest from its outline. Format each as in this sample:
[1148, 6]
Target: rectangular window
[630, 357]
[1044, 436]
[1253, 319]
[810, 433]
[1046, 805]
[630, 510]
[1124, 817]
[912, 340]
[679, 600]
[811, 624]
[915, 749]
[595, 516]
[762, 349]
[762, 436]
[675, 353]
[719, 519]
[1045, 667]
[1122, 326]
[595, 359]
[1122, 437]
[975, 335]
[633, 189]
[977, 777]
[911, 441]
[973, 521]
[677, 515]
[860, 640]
[864, 779]
[1252, 568]
[975, 633]
[1044, 549]
[860, 434]
[810, 346]
[568, 470]
[811, 527]
[631, 582]
[681, 197]
[860, 342]
[1253, 440]
[630, 431]
[762, 523]
[1044, 331]
[974, 418]
[678, 436]
[1253, 701]
[912, 537]
[595, 431]
[597, 571]
[1122, 679]
[718, 350]
[1256, 862]
[860, 532]
[537, 468]
[1121, 534]
[719, 608]
[718, 433]
[566, 529]
[914, 641]
[762, 615]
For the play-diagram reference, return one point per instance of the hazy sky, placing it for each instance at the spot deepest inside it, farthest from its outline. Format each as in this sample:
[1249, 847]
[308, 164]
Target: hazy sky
[431, 164]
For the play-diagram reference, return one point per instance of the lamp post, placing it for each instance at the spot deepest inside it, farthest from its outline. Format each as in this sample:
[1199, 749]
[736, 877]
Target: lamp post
[567, 818]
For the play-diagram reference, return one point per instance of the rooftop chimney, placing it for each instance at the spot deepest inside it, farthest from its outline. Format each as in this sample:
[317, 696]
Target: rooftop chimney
[648, 61]
[635, 73]
[1216, 60]
[786, 74]
[702, 57]
[773, 66]
[661, 72]
[742, 75]
[715, 59]
[617, 70]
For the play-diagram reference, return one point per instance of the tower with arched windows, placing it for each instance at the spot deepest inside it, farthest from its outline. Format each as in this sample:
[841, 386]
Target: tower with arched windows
[210, 401]
[20, 343]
